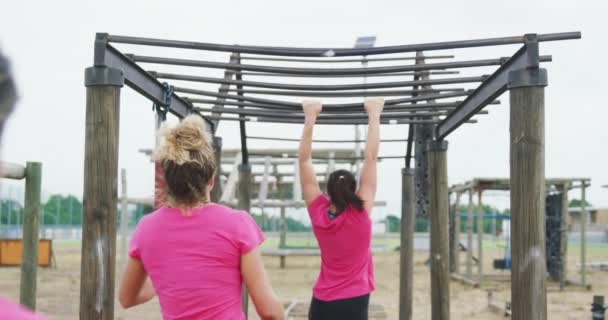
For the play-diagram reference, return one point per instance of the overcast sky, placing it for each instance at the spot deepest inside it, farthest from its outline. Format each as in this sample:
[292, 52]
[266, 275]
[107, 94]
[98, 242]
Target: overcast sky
[51, 42]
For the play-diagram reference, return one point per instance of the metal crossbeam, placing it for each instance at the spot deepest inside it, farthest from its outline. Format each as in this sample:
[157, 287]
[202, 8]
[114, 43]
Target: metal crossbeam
[284, 86]
[333, 122]
[346, 94]
[361, 60]
[490, 89]
[298, 106]
[141, 81]
[322, 141]
[338, 52]
[321, 71]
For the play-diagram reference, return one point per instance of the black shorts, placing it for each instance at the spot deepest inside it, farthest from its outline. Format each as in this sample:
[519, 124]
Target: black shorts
[343, 309]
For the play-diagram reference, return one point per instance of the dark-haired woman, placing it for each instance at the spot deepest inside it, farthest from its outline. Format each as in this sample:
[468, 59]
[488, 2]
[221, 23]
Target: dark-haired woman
[194, 254]
[341, 223]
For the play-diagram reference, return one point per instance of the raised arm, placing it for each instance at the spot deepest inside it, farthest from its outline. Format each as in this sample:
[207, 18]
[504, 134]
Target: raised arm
[308, 177]
[367, 187]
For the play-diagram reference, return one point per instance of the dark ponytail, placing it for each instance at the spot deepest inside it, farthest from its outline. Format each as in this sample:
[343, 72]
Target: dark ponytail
[342, 187]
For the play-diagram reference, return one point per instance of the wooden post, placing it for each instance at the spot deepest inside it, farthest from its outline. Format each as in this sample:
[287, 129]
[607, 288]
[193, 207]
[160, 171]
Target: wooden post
[563, 250]
[97, 272]
[456, 243]
[244, 203]
[583, 233]
[124, 219]
[439, 216]
[470, 236]
[216, 192]
[282, 234]
[31, 224]
[479, 237]
[528, 269]
[408, 218]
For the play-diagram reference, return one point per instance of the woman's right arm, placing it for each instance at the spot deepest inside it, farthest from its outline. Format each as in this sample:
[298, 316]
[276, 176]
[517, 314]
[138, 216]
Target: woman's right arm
[266, 302]
[367, 187]
[308, 177]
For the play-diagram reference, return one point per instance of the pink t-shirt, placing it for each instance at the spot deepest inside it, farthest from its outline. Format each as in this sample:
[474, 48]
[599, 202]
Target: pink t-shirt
[13, 311]
[194, 261]
[347, 269]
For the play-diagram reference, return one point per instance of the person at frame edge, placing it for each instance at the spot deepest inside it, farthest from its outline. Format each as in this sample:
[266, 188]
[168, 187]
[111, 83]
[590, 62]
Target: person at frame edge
[341, 223]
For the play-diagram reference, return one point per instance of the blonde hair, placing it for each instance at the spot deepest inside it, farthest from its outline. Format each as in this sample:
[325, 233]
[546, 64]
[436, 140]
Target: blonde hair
[188, 161]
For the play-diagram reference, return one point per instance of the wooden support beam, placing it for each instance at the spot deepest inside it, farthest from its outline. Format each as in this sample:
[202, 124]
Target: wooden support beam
[464, 280]
[97, 273]
[408, 221]
[470, 236]
[563, 250]
[439, 217]
[456, 242]
[124, 219]
[528, 269]
[282, 235]
[584, 234]
[31, 224]
[244, 203]
[216, 192]
[479, 237]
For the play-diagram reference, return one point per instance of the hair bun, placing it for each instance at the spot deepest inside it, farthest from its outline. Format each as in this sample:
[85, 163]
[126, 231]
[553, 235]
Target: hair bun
[188, 141]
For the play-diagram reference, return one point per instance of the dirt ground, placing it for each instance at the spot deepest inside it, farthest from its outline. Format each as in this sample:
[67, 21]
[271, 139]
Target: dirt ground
[58, 288]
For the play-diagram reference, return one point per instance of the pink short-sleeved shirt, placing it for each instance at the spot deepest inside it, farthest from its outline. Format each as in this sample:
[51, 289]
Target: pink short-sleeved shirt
[347, 269]
[13, 311]
[194, 261]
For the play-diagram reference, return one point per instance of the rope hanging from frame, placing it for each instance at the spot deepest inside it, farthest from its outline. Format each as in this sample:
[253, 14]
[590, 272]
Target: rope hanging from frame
[162, 109]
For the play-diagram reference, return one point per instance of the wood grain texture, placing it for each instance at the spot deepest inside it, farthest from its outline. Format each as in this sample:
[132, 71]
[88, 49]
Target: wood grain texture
[408, 218]
[31, 224]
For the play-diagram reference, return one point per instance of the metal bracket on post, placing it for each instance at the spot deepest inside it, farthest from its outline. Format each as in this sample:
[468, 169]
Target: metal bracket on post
[103, 76]
[163, 108]
[437, 145]
[531, 75]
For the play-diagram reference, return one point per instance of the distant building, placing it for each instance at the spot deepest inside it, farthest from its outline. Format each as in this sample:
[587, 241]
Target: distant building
[595, 215]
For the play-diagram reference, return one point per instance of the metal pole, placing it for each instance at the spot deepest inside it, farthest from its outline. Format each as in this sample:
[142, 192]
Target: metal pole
[408, 220]
[282, 234]
[31, 224]
[528, 269]
[563, 276]
[439, 216]
[97, 275]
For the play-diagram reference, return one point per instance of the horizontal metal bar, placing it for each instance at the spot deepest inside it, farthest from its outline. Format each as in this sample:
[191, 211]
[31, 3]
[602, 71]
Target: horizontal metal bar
[489, 90]
[300, 116]
[338, 52]
[320, 141]
[295, 156]
[298, 106]
[12, 171]
[396, 74]
[361, 60]
[358, 86]
[142, 82]
[319, 71]
[344, 94]
[409, 107]
[331, 122]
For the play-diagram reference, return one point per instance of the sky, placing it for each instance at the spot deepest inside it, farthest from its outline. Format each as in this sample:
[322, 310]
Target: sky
[51, 43]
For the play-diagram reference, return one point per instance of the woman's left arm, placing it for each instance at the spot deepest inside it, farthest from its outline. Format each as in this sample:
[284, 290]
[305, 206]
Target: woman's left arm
[135, 286]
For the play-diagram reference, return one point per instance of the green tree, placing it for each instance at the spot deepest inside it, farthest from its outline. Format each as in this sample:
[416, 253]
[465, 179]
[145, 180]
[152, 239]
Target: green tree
[394, 223]
[11, 211]
[62, 210]
[576, 203]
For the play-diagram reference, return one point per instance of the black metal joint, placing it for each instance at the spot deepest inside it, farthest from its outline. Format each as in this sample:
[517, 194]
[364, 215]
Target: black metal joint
[437, 145]
[408, 171]
[527, 78]
[217, 143]
[99, 53]
[103, 76]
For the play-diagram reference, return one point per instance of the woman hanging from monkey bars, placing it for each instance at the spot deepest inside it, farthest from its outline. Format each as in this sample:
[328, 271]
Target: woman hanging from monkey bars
[193, 253]
[341, 223]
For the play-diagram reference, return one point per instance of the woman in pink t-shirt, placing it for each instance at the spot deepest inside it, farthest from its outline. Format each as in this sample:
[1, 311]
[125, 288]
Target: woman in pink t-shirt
[194, 254]
[341, 224]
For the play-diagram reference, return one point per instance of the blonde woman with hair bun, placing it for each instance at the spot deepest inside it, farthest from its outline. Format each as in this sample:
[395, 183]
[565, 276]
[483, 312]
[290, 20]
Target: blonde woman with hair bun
[195, 254]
